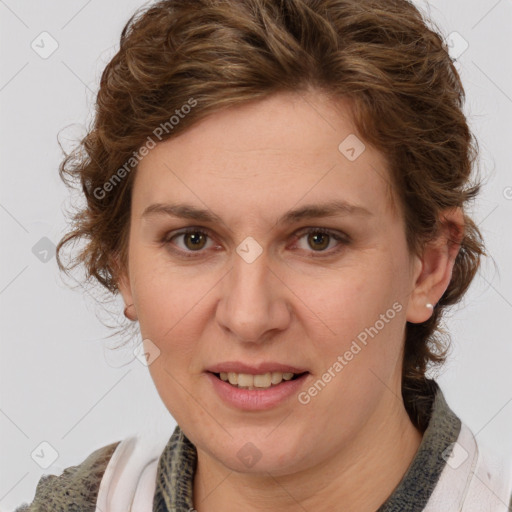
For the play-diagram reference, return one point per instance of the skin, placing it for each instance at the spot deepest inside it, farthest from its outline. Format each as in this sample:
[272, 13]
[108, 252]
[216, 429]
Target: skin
[353, 442]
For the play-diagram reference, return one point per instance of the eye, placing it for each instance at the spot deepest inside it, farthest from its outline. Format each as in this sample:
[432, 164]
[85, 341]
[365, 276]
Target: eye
[320, 239]
[192, 240]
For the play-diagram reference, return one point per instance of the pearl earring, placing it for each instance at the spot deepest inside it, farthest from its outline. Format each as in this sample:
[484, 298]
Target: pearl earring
[429, 306]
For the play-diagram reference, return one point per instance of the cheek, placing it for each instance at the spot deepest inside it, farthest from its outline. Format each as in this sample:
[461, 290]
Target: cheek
[171, 313]
[360, 357]
[351, 299]
[165, 295]
[362, 313]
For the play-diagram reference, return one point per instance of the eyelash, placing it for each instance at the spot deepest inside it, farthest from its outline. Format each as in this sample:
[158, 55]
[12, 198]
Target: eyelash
[342, 238]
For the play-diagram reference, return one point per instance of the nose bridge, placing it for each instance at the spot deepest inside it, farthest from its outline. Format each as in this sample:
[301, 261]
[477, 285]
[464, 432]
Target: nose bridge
[253, 301]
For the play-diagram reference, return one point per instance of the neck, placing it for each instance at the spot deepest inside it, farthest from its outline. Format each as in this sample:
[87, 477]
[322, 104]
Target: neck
[356, 478]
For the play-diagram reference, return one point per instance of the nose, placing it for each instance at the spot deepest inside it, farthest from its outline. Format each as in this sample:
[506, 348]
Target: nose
[254, 303]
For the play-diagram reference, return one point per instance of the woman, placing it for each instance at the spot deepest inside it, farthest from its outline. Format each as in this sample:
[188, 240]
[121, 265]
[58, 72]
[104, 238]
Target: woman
[279, 190]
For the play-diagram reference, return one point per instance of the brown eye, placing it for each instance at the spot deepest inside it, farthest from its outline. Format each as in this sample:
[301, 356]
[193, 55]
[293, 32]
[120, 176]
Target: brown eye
[188, 243]
[318, 241]
[194, 240]
[321, 241]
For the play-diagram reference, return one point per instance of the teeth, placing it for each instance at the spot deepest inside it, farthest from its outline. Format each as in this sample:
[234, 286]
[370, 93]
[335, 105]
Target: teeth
[276, 377]
[247, 381]
[262, 381]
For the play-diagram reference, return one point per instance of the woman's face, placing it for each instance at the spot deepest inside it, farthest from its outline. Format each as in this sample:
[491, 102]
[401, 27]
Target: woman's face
[248, 285]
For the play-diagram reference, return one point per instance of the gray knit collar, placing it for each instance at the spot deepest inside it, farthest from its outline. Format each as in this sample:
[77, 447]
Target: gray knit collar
[178, 462]
[419, 481]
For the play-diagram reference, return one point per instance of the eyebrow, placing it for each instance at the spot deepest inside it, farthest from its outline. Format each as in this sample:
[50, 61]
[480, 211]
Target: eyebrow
[329, 209]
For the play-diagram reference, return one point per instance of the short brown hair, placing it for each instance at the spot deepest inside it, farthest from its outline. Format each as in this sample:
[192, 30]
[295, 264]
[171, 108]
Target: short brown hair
[404, 90]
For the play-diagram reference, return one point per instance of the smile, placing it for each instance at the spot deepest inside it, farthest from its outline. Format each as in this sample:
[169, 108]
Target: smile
[258, 392]
[262, 381]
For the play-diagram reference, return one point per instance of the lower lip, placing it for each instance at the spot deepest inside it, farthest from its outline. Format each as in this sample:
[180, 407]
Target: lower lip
[256, 399]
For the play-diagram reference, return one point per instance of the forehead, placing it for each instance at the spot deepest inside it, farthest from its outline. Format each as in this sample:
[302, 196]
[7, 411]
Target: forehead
[257, 157]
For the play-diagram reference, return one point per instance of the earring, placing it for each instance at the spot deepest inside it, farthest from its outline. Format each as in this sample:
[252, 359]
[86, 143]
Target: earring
[126, 312]
[429, 306]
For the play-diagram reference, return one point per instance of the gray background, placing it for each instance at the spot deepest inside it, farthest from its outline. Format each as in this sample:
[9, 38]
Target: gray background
[60, 382]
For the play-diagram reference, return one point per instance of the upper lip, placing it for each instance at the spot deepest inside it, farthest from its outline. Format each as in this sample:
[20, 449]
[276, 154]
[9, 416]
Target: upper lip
[254, 369]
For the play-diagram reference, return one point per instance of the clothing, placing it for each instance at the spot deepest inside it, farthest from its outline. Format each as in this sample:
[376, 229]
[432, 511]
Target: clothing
[130, 475]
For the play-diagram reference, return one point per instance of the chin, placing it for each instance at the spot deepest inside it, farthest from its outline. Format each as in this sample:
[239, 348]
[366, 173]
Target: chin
[260, 456]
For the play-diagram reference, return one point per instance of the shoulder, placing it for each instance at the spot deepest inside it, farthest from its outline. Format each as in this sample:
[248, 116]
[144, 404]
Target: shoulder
[76, 489]
[475, 478]
[119, 476]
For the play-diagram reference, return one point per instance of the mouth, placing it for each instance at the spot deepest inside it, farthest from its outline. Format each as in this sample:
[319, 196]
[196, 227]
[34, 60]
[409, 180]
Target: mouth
[262, 381]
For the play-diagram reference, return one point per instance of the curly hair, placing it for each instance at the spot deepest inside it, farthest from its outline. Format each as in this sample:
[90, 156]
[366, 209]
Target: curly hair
[182, 60]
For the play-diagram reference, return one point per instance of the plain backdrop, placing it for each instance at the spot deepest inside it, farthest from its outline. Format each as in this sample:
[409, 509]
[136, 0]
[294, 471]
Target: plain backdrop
[63, 392]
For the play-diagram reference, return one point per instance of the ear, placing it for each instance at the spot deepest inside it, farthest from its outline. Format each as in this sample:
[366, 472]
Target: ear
[122, 279]
[433, 270]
